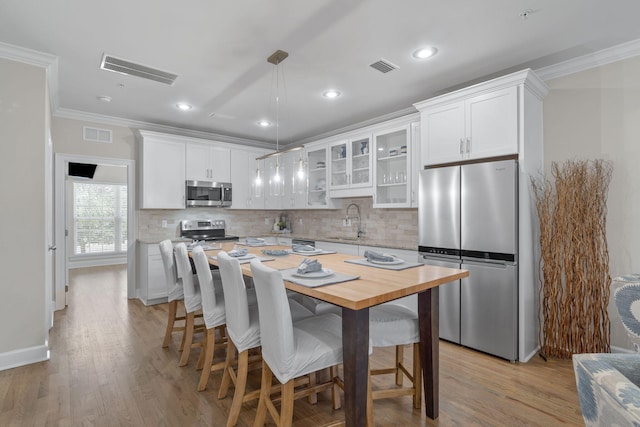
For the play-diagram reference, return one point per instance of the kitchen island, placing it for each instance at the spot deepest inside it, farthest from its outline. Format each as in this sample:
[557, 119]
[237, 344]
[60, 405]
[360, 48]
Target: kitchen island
[374, 286]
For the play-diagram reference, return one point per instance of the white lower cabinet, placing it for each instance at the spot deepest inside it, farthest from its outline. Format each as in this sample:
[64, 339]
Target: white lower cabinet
[152, 285]
[405, 254]
[343, 248]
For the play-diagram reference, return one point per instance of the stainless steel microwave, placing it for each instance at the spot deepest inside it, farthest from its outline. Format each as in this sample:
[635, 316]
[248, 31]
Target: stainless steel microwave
[207, 193]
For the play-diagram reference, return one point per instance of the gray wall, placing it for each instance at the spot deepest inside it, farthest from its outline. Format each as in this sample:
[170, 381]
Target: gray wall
[23, 124]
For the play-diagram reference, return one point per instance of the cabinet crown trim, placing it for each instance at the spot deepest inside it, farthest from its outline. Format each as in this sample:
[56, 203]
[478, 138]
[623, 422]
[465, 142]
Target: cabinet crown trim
[525, 77]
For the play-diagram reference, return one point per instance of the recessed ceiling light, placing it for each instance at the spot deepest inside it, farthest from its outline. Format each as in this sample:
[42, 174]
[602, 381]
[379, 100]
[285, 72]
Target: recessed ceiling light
[331, 94]
[425, 52]
[184, 107]
[104, 98]
[264, 123]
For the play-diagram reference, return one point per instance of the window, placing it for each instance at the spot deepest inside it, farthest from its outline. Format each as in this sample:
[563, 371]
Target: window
[99, 218]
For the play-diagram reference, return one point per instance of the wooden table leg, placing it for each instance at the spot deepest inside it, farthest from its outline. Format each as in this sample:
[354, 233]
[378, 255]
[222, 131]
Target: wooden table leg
[355, 341]
[429, 315]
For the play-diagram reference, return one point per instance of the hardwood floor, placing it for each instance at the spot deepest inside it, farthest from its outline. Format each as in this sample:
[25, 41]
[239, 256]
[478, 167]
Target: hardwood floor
[108, 368]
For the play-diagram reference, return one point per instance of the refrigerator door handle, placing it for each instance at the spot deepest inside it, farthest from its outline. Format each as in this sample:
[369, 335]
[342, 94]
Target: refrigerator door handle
[489, 263]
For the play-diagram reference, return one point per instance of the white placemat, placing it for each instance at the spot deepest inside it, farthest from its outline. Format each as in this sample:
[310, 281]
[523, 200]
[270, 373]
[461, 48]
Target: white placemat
[321, 252]
[314, 283]
[244, 261]
[403, 266]
[255, 245]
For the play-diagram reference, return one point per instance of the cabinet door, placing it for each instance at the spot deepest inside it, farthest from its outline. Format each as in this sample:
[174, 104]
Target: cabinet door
[492, 124]
[220, 164]
[342, 248]
[317, 177]
[392, 151]
[338, 165]
[416, 164]
[275, 171]
[295, 189]
[359, 158]
[443, 133]
[162, 183]
[243, 178]
[198, 162]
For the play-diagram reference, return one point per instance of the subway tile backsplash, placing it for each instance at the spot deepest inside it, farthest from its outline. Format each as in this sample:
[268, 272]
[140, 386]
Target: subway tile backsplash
[382, 227]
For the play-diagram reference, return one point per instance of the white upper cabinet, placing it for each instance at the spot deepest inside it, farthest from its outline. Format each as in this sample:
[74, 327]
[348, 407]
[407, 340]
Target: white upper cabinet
[207, 162]
[161, 168]
[481, 126]
[350, 167]
[477, 122]
[243, 178]
[295, 175]
[416, 166]
[392, 150]
[317, 159]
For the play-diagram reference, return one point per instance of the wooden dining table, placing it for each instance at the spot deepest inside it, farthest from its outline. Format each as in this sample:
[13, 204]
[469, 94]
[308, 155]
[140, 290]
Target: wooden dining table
[374, 286]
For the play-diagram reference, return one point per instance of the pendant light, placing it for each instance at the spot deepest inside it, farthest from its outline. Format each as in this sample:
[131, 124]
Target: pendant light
[276, 58]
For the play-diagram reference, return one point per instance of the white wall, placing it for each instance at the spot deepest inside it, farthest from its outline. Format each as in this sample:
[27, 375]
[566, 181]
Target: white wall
[596, 114]
[23, 121]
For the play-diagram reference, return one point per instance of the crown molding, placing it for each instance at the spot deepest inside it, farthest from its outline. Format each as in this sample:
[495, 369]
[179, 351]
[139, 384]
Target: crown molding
[67, 113]
[360, 125]
[591, 60]
[39, 59]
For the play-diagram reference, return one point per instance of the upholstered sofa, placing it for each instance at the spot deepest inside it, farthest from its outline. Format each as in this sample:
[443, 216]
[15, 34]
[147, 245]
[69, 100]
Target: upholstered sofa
[608, 388]
[609, 384]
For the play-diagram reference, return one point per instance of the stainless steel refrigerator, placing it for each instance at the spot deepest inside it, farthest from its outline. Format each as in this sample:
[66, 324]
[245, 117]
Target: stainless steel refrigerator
[468, 218]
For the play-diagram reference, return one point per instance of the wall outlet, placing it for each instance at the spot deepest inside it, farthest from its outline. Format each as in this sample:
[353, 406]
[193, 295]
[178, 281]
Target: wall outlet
[164, 223]
[346, 222]
[299, 221]
[267, 221]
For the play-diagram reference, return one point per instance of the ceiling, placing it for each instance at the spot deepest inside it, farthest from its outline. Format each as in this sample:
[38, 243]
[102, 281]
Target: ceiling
[219, 51]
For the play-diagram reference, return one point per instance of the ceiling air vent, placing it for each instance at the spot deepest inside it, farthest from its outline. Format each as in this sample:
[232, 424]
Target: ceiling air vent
[383, 66]
[96, 135]
[122, 66]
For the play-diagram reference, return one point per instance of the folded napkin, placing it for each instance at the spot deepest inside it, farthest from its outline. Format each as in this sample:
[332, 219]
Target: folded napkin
[254, 241]
[377, 256]
[303, 248]
[238, 252]
[196, 243]
[309, 266]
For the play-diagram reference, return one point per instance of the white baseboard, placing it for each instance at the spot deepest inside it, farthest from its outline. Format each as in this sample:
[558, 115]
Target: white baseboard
[530, 355]
[23, 356]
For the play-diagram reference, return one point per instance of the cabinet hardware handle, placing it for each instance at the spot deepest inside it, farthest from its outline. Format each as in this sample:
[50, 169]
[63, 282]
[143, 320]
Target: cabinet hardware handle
[468, 145]
[461, 145]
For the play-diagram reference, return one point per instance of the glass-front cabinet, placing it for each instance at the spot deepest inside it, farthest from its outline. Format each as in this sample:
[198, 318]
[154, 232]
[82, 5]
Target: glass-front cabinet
[392, 167]
[295, 174]
[317, 158]
[351, 164]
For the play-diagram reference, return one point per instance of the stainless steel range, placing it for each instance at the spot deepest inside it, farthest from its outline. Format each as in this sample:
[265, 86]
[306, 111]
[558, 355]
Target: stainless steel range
[208, 230]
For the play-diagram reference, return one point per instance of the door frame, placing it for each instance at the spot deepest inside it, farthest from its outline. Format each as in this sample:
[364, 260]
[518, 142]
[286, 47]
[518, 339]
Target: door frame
[61, 270]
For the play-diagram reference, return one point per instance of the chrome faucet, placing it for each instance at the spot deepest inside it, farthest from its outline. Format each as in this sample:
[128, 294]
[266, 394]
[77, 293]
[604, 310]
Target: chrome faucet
[360, 232]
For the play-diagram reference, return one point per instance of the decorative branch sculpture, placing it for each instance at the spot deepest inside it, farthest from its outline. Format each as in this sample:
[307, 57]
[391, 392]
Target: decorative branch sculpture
[575, 276]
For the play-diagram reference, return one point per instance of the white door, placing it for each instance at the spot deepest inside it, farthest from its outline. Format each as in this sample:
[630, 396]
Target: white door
[49, 263]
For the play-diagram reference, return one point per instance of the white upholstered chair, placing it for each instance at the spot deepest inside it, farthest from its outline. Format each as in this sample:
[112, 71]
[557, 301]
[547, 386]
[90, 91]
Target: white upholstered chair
[291, 350]
[396, 324]
[175, 293]
[213, 313]
[243, 329]
[192, 302]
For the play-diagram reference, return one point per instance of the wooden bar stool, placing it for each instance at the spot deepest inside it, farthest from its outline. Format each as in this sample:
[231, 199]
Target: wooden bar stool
[175, 294]
[292, 350]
